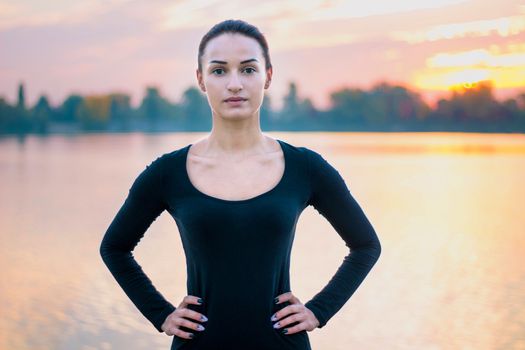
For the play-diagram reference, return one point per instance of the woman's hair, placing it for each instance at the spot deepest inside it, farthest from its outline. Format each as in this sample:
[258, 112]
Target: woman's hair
[235, 26]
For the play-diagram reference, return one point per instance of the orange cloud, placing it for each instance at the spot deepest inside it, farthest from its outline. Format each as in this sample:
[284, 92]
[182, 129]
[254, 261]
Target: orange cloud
[444, 70]
[504, 27]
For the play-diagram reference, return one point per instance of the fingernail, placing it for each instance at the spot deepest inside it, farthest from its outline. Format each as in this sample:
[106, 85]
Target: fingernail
[273, 318]
[284, 331]
[191, 335]
[277, 325]
[200, 301]
[276, 300]
[204, 318]
[200, 328]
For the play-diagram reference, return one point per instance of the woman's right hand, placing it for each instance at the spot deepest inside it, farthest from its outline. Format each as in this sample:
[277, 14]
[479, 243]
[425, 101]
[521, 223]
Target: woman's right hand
[179, 317]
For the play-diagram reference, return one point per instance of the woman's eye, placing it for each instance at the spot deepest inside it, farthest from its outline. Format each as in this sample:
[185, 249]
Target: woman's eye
[220, 71]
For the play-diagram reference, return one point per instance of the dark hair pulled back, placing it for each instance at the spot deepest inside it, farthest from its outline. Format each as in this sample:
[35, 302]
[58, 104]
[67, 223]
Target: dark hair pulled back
[235, 26]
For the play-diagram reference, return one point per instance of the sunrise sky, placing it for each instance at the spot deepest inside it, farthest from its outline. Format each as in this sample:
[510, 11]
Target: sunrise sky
[69, 46]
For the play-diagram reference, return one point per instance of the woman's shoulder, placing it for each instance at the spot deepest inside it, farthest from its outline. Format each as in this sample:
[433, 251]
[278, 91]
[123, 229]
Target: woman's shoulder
[157, 164]
[297, 148]
[161, 159]
[306, 153]
[177, 152]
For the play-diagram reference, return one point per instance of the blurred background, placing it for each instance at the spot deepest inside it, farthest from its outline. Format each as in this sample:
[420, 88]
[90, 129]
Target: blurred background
[419, 105]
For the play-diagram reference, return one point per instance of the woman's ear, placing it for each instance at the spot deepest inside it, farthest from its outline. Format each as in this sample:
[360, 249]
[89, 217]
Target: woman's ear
[269, 73]
[199, 80]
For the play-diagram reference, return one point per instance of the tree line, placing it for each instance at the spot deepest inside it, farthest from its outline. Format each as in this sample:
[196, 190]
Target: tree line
[384, 107]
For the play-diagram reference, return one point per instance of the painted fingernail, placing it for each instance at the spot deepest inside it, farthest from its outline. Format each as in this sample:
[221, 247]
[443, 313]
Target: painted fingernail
[284, 331]
[204, 318]
[277, 325]
[191, 335]
[273, 318]
[200, 328]
[200, 301]
[276, 300]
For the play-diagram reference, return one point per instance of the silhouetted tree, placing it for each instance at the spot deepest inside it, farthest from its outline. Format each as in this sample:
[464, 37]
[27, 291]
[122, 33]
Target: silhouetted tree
[195, 111]
[70, 110]
[9, 121]
[153, 108]
[476, 103]
[120, 111]
[41, 114]
[21, 104]
[349, 103]
[294, 108]
[94, 112]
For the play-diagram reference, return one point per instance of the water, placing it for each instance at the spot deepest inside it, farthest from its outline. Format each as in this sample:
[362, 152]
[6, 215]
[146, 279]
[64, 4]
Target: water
[448, 209]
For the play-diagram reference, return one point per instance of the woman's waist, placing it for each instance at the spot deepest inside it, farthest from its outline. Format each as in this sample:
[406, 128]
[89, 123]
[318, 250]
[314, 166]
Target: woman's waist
[241, 329]
[236, 308]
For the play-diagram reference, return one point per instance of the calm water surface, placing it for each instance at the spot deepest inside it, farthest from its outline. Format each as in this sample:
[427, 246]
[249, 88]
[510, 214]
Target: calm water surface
[448, 209]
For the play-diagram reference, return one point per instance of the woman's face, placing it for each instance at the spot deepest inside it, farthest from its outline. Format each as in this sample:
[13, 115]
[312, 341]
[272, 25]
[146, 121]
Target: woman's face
[233, 65]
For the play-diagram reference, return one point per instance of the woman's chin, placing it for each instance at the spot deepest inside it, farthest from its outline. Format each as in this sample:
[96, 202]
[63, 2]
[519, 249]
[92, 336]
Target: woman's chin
[238, 114]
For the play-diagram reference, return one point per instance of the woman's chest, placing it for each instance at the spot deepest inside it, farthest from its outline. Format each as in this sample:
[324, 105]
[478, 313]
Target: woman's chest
[264, 219]
[229, 180]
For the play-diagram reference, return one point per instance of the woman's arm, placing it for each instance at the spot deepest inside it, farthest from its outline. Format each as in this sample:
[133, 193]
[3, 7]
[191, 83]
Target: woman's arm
[331, 198]
[142, 206]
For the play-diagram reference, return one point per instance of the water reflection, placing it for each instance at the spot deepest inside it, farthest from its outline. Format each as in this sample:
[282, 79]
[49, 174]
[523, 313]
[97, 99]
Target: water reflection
[447, 208]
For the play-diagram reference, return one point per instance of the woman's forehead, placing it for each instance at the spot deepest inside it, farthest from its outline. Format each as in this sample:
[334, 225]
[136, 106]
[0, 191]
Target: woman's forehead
[232, 48]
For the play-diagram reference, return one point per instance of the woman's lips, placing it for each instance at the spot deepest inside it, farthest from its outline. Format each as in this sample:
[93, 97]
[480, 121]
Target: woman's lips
[235, 102]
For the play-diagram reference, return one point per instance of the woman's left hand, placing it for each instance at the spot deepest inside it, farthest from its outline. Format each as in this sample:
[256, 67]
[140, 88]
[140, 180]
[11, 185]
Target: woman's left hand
[296, 312]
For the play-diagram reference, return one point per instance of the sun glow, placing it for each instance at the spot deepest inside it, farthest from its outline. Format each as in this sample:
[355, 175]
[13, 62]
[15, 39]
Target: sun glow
[503, 66]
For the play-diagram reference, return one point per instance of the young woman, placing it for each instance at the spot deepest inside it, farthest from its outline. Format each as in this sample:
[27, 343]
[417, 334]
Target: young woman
[236, 196]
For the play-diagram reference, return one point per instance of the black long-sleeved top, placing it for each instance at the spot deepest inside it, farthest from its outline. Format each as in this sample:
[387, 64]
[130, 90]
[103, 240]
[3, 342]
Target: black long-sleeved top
[238, 251]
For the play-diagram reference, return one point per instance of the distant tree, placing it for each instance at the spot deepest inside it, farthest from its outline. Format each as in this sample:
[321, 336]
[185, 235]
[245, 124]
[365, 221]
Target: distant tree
[390, 103]
[13, 119]
[294, 108]
[266, 107]
[21, 104]
[443, 112]
[9, 121]
[350, 104]
[41, 114]
[22, 122]
[520, 100]
[154, 106]
[120, 111]
[195, 109]
[266, 114]
[290, 109]
[476, 103]
[520, 118]
[70, 109]
[94, 112]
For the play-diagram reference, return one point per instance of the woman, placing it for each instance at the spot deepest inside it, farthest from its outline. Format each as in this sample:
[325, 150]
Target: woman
[236, 196]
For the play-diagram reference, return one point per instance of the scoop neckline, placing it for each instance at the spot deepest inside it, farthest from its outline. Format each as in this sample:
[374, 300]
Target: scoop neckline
[238, 201]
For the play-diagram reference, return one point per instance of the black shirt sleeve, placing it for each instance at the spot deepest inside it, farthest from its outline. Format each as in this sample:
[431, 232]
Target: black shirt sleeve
[142, 206]
[331, 197]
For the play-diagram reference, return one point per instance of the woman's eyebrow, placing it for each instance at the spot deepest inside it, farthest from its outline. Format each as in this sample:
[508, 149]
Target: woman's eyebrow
[242, 62]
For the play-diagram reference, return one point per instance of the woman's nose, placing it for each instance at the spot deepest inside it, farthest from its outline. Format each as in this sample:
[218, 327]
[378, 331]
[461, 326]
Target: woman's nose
[234, 83]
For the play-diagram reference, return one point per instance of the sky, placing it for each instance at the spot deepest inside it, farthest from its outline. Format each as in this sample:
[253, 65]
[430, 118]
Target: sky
[61, 47]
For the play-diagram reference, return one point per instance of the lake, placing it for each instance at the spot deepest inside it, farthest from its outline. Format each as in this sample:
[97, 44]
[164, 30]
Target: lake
[448, 209]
